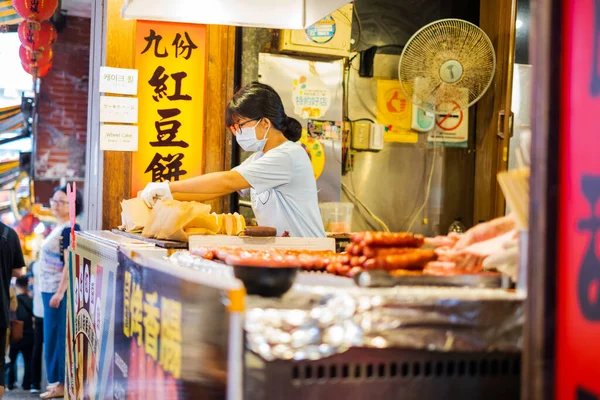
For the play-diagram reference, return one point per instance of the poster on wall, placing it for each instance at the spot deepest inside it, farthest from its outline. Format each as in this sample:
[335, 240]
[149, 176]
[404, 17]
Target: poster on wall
[90, 322]
[170, 336]
[578, 264]
[171, 63]
[312, 93]
[394, 111]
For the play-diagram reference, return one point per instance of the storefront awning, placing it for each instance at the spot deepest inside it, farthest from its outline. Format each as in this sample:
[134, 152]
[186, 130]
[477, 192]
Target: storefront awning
[8, 15]
[11, 118]
[276, 14]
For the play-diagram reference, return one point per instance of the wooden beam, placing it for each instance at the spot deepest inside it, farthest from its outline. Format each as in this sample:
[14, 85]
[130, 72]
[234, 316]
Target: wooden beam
[219, 89]
[497, 19]
[120, 52]
[540, 320]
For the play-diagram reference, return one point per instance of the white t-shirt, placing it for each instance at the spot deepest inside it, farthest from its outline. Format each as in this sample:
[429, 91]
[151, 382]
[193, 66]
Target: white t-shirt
[284, 190]
[50, 262]
[38, 305]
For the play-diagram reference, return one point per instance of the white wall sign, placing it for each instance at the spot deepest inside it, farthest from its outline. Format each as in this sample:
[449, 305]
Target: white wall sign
[118, 137]
[119, 109]
[451, 130]
[118, 80]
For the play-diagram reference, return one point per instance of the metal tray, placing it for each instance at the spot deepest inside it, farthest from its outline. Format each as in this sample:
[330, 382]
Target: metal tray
[165, 244]
[383, 279]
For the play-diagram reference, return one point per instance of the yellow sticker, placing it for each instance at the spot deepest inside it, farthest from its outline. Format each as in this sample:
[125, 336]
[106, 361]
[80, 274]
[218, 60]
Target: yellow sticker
[394, 111]
[315, 152]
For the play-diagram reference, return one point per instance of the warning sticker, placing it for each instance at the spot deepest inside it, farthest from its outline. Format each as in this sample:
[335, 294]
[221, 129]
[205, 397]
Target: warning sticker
[451, 129]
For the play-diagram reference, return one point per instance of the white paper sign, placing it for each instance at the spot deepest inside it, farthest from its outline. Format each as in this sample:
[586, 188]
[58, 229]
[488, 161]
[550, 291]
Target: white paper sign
[118, 137]
[118, 80]
[119, 109]
[451, 130]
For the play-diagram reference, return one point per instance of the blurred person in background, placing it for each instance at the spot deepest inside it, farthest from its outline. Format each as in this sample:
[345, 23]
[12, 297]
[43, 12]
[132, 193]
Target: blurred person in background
[25, 345]
[11, 262]
[53, 284]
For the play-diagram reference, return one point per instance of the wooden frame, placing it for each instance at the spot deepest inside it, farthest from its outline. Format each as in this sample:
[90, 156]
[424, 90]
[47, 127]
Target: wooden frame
[497, 19]
[120, 36]
[539, 334]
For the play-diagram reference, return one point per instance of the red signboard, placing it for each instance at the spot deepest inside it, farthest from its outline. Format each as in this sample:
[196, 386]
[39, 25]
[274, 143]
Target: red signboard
[578, 287]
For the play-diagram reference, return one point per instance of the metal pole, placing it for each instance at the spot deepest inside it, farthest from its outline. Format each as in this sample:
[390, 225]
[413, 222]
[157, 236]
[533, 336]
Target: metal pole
[94, 160]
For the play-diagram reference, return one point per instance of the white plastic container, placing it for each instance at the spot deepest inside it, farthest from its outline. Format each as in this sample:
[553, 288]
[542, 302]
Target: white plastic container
[337, 217]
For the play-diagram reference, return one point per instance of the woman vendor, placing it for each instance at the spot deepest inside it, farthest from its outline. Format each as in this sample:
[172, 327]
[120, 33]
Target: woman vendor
[278, 175]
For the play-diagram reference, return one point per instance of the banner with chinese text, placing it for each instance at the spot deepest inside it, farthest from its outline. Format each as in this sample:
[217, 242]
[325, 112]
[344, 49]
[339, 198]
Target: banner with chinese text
[171, 336]
[90, 323]
[171, 60]
[577, 365]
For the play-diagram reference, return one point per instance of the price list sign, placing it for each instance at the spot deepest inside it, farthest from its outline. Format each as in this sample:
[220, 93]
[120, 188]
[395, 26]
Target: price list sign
[171, 63]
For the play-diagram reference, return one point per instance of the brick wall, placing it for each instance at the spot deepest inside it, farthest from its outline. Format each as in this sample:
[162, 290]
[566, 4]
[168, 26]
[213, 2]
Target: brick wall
[63, 106]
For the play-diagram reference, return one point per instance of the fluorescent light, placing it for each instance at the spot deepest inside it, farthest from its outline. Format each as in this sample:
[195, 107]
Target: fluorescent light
[519, 23]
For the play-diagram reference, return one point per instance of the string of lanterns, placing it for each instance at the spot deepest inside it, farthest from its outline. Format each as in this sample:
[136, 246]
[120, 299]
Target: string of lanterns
[37, 35]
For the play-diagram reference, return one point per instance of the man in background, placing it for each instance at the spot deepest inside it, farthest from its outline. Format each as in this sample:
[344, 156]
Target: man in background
[11, 262]
[25, 345]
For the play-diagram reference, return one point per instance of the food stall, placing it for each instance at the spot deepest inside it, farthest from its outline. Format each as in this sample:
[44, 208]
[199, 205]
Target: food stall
[187, 300]
[246, 322]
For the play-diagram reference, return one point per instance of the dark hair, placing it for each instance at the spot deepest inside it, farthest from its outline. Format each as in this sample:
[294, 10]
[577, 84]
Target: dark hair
[78, 199]
[22, 282]
[257, 100]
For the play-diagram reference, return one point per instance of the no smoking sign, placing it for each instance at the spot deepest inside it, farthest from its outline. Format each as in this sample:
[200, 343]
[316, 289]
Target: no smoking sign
[451, 129]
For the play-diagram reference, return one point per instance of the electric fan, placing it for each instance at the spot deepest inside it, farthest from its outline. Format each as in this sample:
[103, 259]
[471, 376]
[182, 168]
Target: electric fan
[447, 66]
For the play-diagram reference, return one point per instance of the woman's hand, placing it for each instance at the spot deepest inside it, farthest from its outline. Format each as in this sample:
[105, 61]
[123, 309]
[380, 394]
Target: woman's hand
[155, 191]
[485, 231]
[443, 241]
[56, 299]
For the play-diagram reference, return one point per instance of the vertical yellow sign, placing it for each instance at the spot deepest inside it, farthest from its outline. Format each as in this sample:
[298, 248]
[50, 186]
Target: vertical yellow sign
[171, 63]
[394, 111]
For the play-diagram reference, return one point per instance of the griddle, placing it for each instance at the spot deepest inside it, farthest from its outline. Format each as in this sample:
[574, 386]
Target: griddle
[371, 279]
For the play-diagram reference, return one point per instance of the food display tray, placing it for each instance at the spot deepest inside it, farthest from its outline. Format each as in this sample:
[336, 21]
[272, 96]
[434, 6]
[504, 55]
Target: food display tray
[371, 279]
[383, 374]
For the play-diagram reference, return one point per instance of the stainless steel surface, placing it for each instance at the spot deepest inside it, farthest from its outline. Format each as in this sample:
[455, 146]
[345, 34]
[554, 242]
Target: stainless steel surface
[392, 182]
[383, 279]
[280, 72]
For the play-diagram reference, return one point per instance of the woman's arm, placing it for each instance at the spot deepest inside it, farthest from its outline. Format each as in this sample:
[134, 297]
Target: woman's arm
[211, 186]
[62, 287]
[14, 304]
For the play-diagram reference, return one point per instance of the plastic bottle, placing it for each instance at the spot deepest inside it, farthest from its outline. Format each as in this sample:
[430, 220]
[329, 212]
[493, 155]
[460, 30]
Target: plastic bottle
[457, 226]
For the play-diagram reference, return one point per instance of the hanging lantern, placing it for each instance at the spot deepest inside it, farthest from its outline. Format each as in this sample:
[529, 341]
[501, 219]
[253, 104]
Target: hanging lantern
[39, 10]
[37, 72]
[35, 58]
[36, 35]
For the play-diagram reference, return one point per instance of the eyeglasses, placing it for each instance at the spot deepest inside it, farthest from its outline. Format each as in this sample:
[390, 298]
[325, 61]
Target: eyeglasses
[59, 202]
[235, 128]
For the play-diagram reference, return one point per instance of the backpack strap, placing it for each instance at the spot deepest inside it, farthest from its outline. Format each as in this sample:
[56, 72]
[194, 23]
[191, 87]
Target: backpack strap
[5, 234]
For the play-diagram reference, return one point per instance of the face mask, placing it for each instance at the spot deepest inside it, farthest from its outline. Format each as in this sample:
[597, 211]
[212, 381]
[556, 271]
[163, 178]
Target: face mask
[248, 141]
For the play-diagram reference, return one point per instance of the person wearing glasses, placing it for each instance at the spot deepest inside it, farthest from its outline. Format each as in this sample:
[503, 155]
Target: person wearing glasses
[53, 281]
[279, 175]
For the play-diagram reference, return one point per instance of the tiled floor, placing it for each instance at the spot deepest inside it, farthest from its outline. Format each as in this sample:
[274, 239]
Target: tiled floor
[19, 394]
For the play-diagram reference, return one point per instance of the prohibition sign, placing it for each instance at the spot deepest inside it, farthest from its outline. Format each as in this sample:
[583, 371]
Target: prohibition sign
[450, 115]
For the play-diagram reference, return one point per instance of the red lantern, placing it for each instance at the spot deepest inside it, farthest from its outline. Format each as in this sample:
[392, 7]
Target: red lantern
[35, 58]
[37, 35]
[37, 72]
[39, 10]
